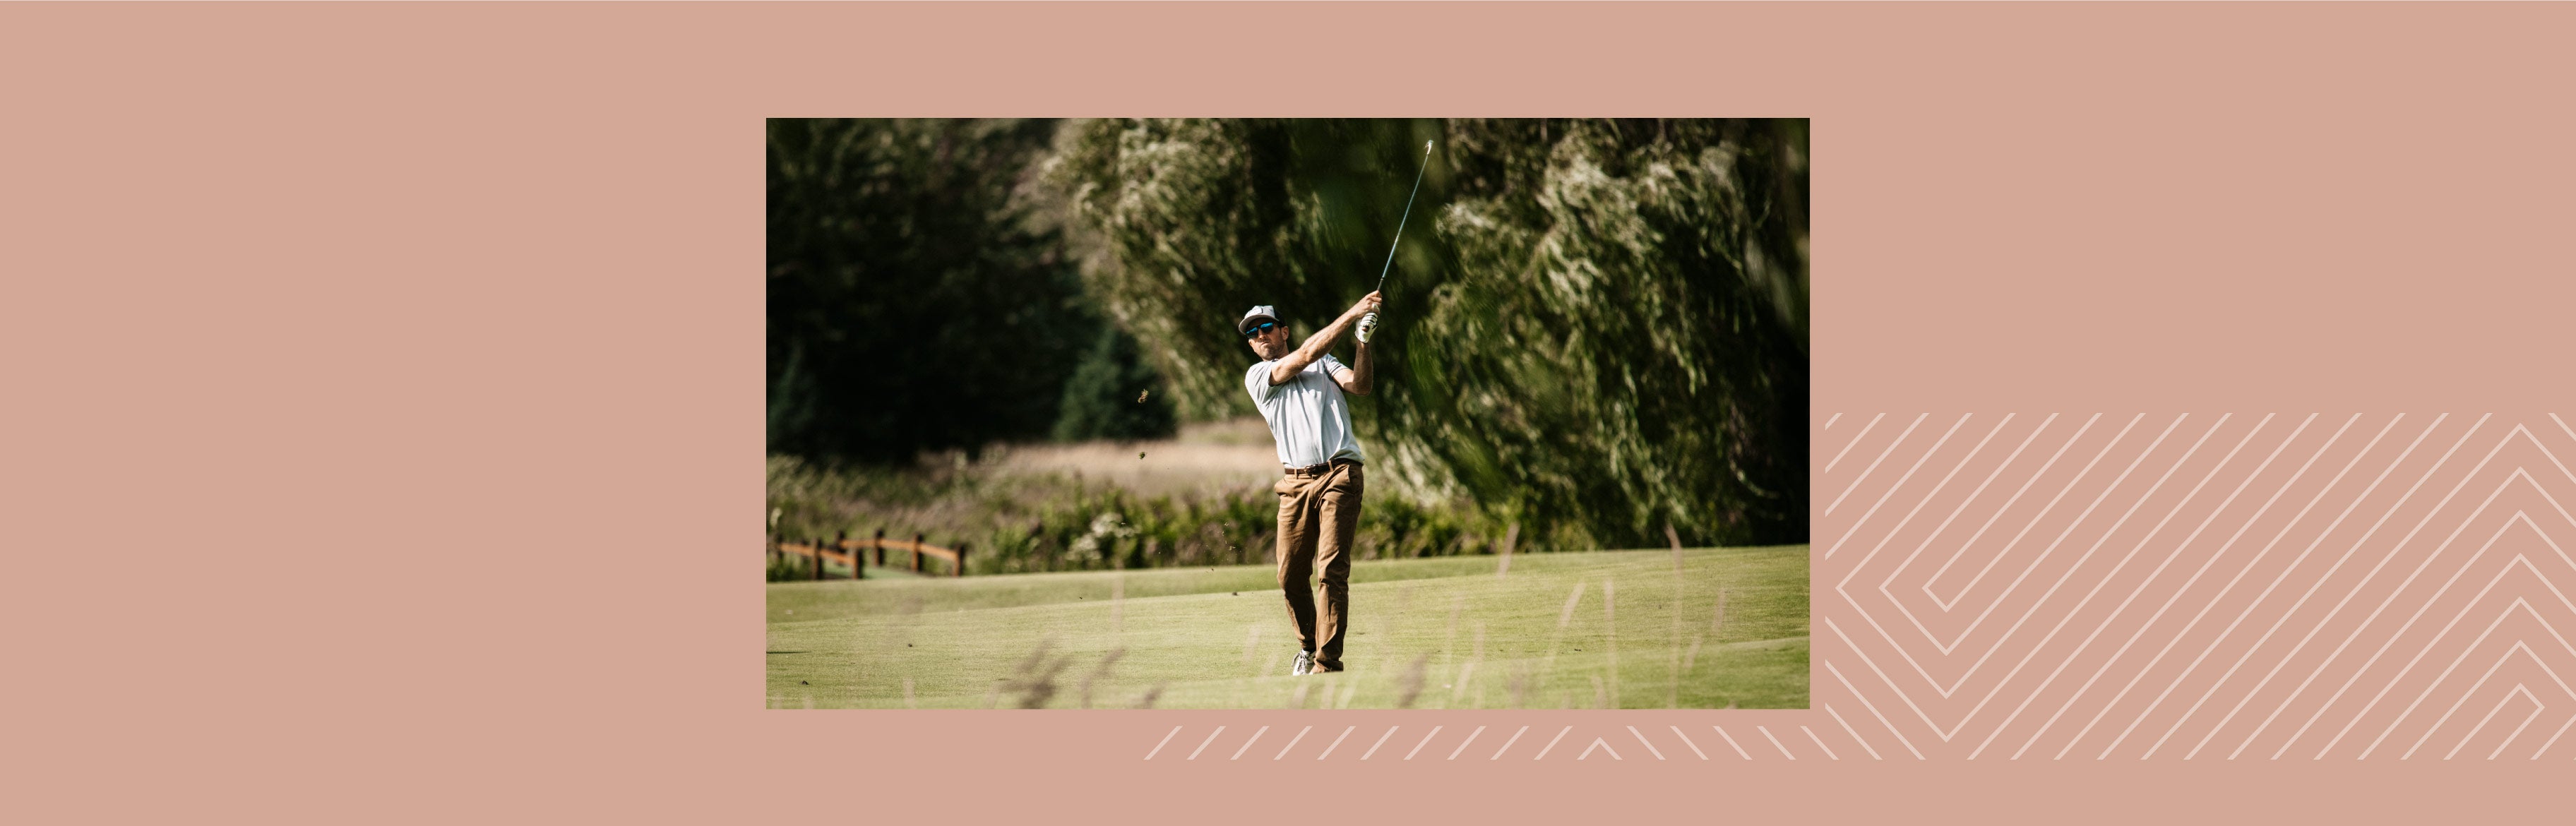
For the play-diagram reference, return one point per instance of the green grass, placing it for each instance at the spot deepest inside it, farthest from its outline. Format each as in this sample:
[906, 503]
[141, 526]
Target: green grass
[1220, 637]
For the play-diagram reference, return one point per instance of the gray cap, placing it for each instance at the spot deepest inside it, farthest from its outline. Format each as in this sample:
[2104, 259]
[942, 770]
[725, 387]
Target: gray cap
[1263, 311]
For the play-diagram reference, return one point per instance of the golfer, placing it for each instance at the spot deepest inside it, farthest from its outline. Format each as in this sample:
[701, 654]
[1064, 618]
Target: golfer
[1299, 390]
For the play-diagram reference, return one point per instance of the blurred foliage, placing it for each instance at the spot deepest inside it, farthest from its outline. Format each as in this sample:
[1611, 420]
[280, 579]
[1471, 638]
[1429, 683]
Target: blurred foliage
[1595, 327]
[915, 302]
[1025, 523]
[1115, 395]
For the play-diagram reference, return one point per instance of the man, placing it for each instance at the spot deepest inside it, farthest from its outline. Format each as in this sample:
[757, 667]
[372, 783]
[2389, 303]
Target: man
[1299, 390]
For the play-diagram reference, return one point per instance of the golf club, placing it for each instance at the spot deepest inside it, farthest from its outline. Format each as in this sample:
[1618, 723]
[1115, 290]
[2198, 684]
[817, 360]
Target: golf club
[1408, 213]
[1368, 324]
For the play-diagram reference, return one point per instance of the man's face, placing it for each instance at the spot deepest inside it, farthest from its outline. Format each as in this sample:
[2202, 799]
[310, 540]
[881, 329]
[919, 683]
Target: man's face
[1271, 343]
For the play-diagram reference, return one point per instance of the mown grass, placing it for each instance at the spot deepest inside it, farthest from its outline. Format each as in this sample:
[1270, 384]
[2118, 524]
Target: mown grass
[1644, 631]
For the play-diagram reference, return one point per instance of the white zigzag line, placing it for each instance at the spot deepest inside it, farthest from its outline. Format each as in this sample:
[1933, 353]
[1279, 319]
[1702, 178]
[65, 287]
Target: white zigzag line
[1918, 508]
[2419, 570]
[1892, 489]
[1865, 472]
[2045, 553]
[1936, 487]
[1990, 520]
[2463, 613]
[2472, 647]
[2445, 588]
[2230, 587]
[2553, 738]
[2185, 587]
[2536, 708]
[2123, 564]
[2501, 659]
[2016, 583]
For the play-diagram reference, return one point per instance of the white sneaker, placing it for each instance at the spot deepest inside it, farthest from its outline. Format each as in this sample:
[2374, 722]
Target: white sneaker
[1305, 663]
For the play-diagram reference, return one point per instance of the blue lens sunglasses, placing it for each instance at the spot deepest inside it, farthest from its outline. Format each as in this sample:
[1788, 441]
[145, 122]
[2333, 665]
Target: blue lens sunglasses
[1260, 328]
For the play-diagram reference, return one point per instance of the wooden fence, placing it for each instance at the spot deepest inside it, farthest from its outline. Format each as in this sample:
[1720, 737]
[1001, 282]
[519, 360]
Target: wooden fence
[855, 552]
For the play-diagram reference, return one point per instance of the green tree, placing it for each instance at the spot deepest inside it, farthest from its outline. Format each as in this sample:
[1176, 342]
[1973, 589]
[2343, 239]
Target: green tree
[1595, 326]
[1114, 395]
[915, 301]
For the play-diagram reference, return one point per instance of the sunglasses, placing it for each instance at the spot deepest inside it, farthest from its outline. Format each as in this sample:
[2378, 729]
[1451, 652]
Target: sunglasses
[1260, 328]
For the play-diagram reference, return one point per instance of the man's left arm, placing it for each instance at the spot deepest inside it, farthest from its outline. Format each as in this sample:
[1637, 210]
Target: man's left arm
[1359, 379]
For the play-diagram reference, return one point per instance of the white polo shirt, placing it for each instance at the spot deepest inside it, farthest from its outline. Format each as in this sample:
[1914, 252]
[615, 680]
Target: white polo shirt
[1307, 416]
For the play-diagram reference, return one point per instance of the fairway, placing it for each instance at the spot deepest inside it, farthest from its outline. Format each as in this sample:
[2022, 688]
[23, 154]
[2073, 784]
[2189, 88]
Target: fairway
[1624, 629]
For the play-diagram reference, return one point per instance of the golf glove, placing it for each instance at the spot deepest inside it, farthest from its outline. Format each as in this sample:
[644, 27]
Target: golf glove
[1368, 325]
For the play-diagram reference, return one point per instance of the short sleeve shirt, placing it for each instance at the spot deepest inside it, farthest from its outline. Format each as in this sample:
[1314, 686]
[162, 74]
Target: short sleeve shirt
[1307, 416]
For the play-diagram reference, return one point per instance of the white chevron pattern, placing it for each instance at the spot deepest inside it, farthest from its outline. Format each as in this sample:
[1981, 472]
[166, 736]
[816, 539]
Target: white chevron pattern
[2194, 586]
[2177, 586]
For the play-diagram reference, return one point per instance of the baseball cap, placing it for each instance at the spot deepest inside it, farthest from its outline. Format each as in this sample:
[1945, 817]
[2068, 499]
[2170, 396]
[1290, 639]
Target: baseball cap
[1263, 311]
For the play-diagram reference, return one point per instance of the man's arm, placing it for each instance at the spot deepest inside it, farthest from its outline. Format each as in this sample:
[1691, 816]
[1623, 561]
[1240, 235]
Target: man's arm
[1359, 379]
[1295, 362]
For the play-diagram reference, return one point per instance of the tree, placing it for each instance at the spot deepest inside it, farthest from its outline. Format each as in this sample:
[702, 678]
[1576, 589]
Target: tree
[914, 302]
[1114, 395]
[1601, 328]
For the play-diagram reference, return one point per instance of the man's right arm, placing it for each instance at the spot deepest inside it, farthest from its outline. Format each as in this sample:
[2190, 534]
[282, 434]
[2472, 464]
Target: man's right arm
[1316, 345]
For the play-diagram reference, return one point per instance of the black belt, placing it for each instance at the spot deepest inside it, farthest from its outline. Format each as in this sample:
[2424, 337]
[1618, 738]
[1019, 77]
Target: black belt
[1318, 470]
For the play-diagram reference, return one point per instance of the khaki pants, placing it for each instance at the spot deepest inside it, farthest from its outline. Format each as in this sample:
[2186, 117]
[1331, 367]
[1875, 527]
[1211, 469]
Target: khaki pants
[1318, 516]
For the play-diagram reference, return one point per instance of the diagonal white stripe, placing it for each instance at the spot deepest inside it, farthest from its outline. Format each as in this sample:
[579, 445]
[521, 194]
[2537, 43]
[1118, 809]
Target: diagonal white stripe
[1775, 741]
[1856, 437]
[1337, 742]
[2260, 598]
[1203, 744]
[2006, 507]
[1247, 744]
[1730, 740]
[1677, 732]
[1873, 709]
[2185, 587]
[1292, 742]
[1874, 463]
[1892, 489]
[1551, 743]
[1462, 744]
[1426, 740]
[2114, 530]
[1838, 718]
[2302, 601]
[1381, 740]
[1650, 747]
[2123, 564]
[1158, 747]
[1945, 691]
[1507, 744]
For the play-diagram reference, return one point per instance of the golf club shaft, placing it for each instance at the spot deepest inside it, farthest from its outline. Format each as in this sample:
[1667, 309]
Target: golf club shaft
[1408, 214]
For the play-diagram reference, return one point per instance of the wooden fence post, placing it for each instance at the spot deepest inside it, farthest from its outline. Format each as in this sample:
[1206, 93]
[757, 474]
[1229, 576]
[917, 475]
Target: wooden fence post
[880, 547]
[961, 559]
[816, 545]
[916, 553]
[840, 542]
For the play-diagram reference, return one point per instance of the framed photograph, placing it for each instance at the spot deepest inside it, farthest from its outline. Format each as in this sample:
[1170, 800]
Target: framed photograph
[1287, 413]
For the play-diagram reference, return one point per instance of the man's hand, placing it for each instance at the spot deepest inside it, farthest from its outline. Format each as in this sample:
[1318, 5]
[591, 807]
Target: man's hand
[1322, 341]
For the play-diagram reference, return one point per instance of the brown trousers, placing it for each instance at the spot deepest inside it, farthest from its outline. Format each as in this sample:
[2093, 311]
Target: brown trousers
[1318, 516]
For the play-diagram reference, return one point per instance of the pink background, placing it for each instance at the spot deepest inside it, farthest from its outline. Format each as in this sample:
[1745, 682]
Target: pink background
[383, 379]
